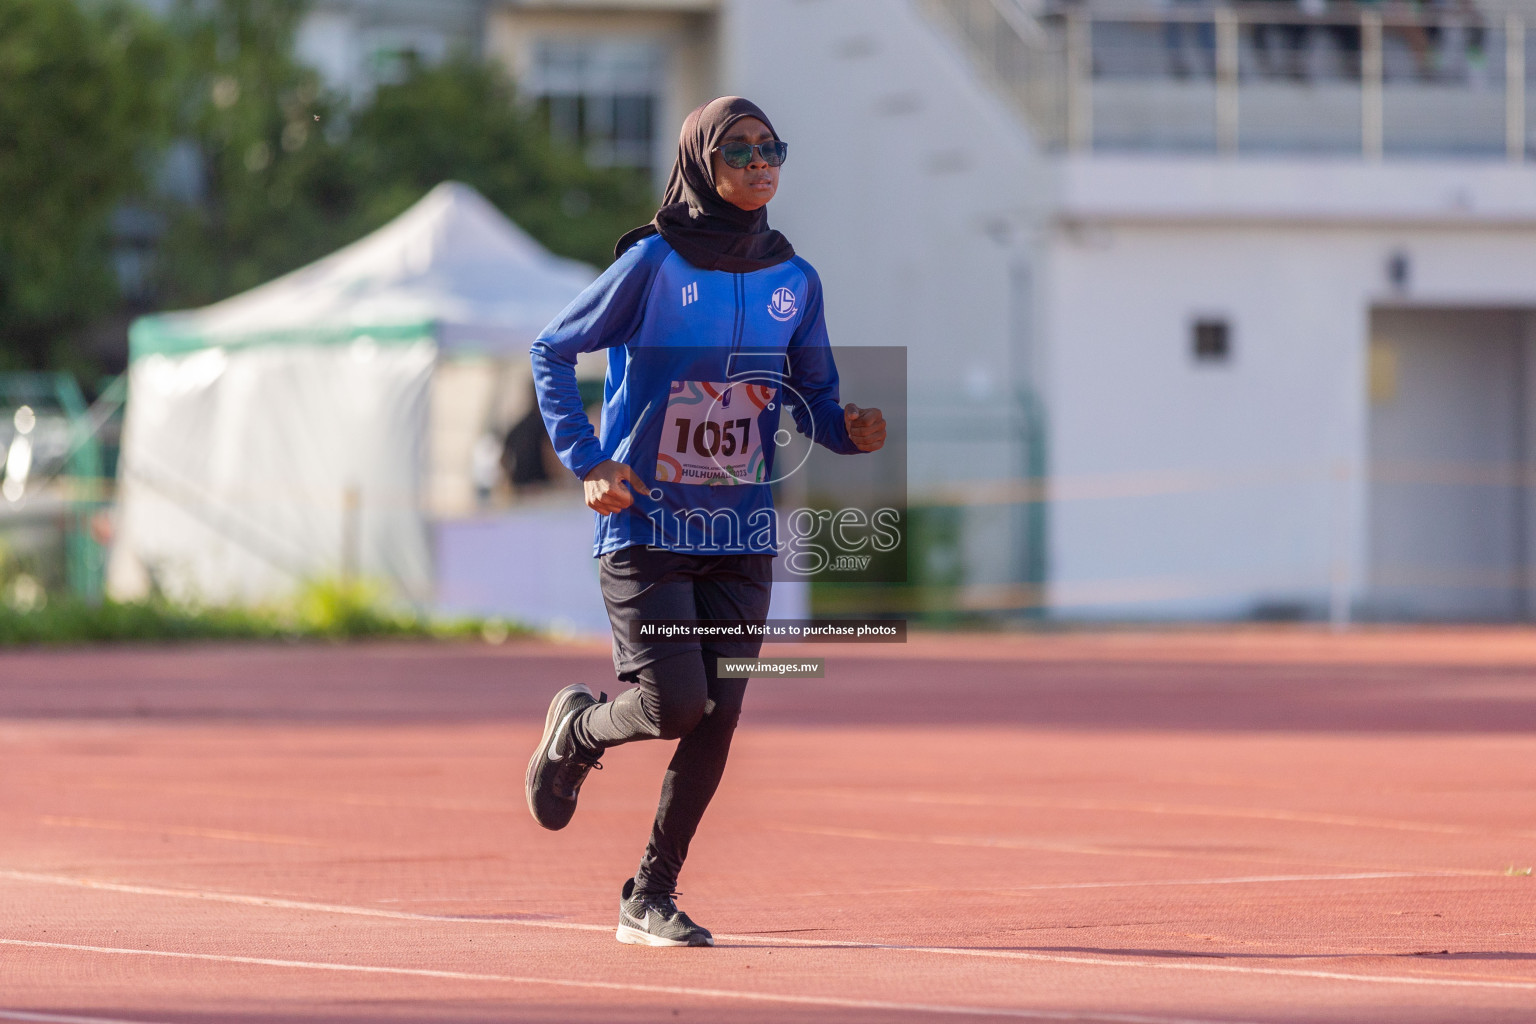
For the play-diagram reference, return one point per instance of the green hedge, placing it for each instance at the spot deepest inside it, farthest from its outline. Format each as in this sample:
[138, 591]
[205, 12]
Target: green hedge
[321, 611]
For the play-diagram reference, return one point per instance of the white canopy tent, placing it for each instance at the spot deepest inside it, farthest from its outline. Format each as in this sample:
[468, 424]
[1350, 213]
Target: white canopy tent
[296, 431]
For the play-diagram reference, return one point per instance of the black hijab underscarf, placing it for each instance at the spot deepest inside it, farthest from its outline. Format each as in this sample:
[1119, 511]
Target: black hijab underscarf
[704, 229]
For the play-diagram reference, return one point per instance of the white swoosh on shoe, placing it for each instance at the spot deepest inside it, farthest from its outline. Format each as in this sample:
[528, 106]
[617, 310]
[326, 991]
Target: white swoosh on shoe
[554, 741]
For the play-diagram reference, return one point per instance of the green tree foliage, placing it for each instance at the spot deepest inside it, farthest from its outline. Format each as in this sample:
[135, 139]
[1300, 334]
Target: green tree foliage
[292, 174]
[460, 120]
[82, 96]
[93, 92]
[275, 192]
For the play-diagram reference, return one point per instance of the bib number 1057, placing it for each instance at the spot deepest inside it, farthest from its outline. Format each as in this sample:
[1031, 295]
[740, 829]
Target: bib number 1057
[710, 438]
[712, 435]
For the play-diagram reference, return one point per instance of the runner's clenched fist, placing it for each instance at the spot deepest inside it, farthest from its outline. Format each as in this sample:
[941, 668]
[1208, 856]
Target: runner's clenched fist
[607, 487]
[866, 427]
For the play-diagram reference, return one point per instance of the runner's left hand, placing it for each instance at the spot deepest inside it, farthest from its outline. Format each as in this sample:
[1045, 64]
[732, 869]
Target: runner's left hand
[866, 427]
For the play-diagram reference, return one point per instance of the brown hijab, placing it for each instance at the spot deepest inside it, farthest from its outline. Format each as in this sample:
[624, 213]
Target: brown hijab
[701, 227]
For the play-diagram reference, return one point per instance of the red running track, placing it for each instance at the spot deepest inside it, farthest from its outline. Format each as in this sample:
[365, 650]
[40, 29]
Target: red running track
[1216, 827]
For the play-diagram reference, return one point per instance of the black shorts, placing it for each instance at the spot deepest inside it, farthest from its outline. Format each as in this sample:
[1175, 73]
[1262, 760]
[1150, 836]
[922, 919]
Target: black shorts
[643, 583]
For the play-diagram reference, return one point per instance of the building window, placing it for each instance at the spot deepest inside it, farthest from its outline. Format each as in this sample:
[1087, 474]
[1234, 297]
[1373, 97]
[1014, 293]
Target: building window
[1212, 341]
[600, 95]
[391, 53]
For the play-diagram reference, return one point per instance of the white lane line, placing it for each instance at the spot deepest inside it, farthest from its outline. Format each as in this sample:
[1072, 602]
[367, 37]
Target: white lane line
[1249, 880]
[348, 799]
[967, 951]
[614, 986]
[994, 842]
[1005, 843]
[179, 830]
[1281, 972]
[274, 901]
[1191, 810]
[64, 1018]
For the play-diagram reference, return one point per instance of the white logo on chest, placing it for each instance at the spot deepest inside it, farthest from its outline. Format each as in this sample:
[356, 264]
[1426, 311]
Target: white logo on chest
[690, 293]
[783, 305]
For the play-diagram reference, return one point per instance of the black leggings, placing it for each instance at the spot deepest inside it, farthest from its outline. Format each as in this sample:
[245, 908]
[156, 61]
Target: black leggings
[681, 699]
[677, 695]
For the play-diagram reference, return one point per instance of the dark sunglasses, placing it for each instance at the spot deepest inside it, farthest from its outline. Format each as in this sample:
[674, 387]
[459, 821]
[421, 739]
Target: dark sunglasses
[739, 154]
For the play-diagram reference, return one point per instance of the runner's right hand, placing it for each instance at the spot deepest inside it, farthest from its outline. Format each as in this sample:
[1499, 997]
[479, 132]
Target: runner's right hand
[605, 487]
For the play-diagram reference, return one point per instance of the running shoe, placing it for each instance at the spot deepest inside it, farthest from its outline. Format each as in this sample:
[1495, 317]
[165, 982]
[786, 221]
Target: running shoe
[652, 919]
[558, 766]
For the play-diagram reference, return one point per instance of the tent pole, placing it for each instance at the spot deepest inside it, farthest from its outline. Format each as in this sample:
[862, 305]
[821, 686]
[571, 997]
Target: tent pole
[351, 516]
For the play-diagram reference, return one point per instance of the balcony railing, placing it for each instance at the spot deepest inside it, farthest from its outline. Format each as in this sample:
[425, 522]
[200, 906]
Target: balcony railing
[1369, 79]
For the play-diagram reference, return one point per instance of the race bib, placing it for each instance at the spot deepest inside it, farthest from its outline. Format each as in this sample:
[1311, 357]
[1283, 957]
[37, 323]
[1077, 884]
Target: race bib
[710, 435]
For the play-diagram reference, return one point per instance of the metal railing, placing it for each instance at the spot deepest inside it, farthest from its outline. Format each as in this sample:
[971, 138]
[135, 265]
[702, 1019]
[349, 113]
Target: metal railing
[1378, 79]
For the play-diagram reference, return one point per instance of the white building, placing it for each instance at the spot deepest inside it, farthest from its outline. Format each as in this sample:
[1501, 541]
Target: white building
[1266, 340]
[1274, 331]
[1202, 319]
[358, 44]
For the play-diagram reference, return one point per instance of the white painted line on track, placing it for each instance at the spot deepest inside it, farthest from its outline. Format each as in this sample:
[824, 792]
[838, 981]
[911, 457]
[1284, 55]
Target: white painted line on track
[1250, 880]
[1189, 810]
[1007, 843]
[274, 901]
[966, 951]
[1007, 889]
[988, 842]
[64, 1018]
[292, 795]
[1281, 972]
[615, 986]
[180, 830]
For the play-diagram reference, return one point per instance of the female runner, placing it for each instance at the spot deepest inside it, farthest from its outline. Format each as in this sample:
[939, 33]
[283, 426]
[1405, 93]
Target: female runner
[711, 322]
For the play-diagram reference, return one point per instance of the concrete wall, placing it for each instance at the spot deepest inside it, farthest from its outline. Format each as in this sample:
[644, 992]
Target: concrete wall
[1208, 490]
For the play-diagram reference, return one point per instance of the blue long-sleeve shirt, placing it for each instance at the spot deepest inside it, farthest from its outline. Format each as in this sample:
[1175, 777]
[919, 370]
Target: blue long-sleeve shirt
[699, 364]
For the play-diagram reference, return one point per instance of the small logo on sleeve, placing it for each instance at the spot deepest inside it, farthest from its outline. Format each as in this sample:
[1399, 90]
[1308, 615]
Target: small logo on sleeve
[690, 293]
[783, 305]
